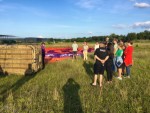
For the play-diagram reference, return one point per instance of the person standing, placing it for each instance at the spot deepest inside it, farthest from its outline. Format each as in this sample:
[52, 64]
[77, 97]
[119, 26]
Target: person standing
[109, 62]
[74, 49]
[43, 54]
[124, 47]
[115, 41]
[107, 40]
[119, 61]
[101, 56]
[96, 46]
[85, 51]
[128, 60]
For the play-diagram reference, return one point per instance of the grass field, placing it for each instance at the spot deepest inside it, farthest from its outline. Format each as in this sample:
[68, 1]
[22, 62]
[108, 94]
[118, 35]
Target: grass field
[64, 87]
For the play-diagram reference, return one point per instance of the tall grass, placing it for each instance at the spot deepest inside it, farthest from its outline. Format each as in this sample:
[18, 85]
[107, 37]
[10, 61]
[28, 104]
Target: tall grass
[64, 87]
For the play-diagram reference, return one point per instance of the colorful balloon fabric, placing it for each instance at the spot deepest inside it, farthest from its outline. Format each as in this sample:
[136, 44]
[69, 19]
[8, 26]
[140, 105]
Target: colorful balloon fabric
[59, 54]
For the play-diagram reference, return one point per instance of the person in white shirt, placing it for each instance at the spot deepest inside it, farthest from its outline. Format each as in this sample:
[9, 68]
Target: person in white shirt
[96, 46]
[85, 51]
[74, 49]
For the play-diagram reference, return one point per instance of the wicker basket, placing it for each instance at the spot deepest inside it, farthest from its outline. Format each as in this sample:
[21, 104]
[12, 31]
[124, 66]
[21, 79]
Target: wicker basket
[20, 59]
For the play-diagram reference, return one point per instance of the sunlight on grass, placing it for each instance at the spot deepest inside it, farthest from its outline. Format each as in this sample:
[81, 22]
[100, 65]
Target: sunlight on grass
[64, 87]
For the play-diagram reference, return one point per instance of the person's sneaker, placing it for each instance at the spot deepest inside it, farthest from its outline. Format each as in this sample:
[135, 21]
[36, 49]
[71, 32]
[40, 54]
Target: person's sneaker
[93, 84]
[119, 78]
[124, 76]
[128, 76]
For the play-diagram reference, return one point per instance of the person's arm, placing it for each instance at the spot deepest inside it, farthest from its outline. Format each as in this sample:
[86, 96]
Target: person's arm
[115, 51]
[121, 53]
[106, 58]
[87, 48]
[103, 61]
[96, 57]
[132, 62]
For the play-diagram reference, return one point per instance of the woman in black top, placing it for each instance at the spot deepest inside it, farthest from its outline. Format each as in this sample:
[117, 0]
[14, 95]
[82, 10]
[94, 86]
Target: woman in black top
[109, 62]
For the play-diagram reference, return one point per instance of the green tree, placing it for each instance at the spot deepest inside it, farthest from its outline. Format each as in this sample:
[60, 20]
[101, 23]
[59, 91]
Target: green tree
[146, 34]
[50, 40]
[113, 35]
[131, 36]
[140, 35]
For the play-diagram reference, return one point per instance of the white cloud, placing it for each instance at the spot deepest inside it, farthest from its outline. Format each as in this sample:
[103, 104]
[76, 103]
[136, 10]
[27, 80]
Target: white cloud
[145, 25]
[88, 4]
[6, 7]
[40, 36]
[61, 26]
[85, 4]
[132, 0]
[148, 29]
[90, 32]
[142, 5]
[120, 26]
[142, 25]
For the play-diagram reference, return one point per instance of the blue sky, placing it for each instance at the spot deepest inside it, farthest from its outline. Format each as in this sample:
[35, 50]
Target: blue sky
[73, 18]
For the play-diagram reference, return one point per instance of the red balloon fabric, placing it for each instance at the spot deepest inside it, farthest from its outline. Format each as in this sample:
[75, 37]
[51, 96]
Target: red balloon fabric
[59, 54]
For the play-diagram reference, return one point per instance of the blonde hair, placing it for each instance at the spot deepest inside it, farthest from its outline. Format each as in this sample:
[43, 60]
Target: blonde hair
[121, 45]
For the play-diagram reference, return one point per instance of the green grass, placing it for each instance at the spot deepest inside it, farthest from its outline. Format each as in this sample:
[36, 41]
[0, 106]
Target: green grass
[64, 87]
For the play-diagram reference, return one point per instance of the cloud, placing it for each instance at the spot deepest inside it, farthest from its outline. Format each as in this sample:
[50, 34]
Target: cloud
[142, 5]
[142, 25]
[90, 32]
[23, 10]
[145, 25]
[40, 36]
[62, 26]
[85, 4]
[120, 26]
[6, 7]
[88, 4]
[132, 0]
[148, 29]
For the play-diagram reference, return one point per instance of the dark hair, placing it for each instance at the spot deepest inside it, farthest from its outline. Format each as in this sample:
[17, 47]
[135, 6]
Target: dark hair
[121, 40]
[110, 48]
[129, 41]
[115, 39]
[43, 43]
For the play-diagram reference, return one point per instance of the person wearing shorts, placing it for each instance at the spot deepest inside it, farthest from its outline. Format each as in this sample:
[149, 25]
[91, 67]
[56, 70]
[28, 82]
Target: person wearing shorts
[74, 49]
[101, 56]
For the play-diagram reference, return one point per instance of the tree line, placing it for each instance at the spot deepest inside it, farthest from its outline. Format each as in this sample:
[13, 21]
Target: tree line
[145, 35]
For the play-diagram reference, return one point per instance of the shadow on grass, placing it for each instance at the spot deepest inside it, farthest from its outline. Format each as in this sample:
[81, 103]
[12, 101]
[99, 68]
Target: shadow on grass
[18, 84]
[72, 103]
[2, 73]
[91, 56]
[88, 68]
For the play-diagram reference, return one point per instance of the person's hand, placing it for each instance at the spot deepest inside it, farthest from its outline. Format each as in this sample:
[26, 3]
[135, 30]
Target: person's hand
[102, 61]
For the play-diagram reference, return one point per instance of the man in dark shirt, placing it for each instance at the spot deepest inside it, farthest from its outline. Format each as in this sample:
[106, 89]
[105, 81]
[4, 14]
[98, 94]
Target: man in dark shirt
[101, 56]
